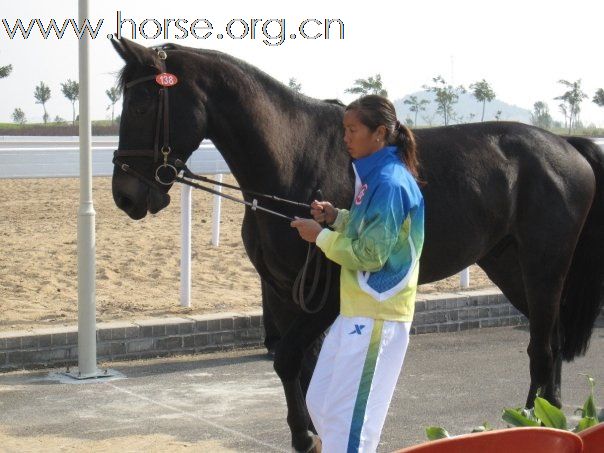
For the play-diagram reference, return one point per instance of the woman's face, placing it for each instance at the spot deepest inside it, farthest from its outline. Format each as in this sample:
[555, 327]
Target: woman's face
[359, 139]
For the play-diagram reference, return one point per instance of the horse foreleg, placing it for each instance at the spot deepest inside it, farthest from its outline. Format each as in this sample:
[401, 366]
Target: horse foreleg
[300, 339]
[288, 364]
[271, 333]
[303, 440]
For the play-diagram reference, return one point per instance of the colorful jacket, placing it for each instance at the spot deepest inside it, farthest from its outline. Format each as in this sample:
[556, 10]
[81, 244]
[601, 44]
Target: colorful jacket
[378, 242]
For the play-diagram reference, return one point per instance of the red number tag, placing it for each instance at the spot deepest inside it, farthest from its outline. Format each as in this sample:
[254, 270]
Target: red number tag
[166, 79]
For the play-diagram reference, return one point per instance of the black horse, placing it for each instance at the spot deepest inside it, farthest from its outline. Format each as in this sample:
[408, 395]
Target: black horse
[524, 204]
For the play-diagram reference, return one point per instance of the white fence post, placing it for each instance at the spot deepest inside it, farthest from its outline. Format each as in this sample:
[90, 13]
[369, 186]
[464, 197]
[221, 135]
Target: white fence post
[464, 278]
[185, 252]
[216, 214]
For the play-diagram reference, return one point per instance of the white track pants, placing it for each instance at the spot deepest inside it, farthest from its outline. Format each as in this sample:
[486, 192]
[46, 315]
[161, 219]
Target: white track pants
[352, 386]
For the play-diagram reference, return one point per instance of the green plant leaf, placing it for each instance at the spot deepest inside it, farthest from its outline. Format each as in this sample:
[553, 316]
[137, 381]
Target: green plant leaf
[515, 417]
[589, 408]
[436, 432]
[586, 422]
[486, 426]
[550, 416]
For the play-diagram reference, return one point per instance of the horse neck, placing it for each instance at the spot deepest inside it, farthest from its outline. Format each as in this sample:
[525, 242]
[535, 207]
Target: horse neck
[262, 129]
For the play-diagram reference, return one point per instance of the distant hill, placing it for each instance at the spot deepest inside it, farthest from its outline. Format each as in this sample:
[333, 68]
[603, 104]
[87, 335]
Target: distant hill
[465, 107]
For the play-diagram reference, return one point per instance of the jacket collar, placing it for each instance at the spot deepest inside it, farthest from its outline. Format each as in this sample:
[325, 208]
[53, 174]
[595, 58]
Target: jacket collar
[365, 165]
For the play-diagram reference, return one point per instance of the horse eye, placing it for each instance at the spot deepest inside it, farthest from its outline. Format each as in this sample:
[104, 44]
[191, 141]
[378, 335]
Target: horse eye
[140, 110]
[141, 102]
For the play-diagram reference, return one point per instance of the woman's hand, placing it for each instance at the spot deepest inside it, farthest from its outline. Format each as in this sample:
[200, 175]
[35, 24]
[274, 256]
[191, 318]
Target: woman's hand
[308, 228]
[323, 211]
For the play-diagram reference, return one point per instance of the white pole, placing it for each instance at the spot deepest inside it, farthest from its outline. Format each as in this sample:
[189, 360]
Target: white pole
[464, 278]
[216, 214]
[185, 252]
[86, 218]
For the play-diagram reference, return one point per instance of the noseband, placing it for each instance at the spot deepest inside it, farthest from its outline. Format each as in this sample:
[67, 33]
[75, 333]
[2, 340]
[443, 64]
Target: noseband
[166, 172]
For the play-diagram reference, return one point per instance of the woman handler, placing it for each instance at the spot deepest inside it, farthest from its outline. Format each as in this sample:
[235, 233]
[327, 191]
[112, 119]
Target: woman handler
[377, 243]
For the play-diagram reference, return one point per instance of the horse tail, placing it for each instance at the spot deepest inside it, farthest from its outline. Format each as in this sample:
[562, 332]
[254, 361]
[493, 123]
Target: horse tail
[583, 293]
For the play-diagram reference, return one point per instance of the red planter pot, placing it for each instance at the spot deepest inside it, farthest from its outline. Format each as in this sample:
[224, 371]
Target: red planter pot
[533, 440]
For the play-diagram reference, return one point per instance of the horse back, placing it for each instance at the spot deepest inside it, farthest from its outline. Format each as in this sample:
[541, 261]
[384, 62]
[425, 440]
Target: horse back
[482, 178]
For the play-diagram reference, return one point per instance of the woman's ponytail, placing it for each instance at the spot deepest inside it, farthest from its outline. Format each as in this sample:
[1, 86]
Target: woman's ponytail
[404, 140]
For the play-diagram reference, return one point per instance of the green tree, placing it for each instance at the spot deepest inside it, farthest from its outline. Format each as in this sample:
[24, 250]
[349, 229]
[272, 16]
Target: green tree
[446, 97]
[599, 97]
[572, 99]
[5, 71]
[371, 85]
[540, 116]
[18, 116]
[295, 85]
[42, 95]
[71, 90]
[416, 106]
[498, 115]
[114, 94]
[482, 92]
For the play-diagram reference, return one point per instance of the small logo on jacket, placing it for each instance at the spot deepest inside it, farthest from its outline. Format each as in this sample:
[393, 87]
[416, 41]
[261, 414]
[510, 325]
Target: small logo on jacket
[361, 194]
[357, 329]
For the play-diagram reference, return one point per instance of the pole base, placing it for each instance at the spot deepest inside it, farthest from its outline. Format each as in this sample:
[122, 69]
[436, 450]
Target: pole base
[73, 376]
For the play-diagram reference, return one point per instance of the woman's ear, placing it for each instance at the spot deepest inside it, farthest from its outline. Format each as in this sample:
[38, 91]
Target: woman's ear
[382, 133]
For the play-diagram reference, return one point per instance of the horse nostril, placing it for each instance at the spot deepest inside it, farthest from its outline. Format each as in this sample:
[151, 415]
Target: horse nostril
[124, 203]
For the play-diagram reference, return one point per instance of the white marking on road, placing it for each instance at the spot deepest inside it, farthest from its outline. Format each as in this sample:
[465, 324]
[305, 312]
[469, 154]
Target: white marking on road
[193, 415]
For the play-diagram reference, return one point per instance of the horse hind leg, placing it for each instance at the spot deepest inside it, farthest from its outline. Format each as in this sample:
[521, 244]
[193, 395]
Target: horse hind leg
[502, 265]
[552, 391]
[545, 268]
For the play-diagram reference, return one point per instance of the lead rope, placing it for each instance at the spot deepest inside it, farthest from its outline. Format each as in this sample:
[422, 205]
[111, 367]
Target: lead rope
[312, 252]
[300, 282]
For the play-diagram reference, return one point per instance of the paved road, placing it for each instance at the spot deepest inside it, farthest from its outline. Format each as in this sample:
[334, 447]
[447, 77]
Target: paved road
[234, 402]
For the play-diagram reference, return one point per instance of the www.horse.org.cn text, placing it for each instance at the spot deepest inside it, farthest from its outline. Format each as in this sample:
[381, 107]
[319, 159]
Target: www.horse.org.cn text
[271, 32]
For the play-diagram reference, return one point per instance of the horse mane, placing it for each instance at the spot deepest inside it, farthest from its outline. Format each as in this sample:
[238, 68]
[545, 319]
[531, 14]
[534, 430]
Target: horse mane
[127, 73]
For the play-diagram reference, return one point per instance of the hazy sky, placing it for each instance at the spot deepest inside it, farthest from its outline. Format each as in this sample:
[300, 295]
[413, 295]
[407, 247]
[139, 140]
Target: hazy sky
[522, 48]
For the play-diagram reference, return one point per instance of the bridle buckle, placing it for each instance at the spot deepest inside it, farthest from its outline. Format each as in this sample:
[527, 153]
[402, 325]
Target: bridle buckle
[165, 150]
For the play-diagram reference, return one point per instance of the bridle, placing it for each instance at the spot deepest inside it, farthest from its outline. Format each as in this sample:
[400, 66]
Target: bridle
[168, 171]
[165, 80]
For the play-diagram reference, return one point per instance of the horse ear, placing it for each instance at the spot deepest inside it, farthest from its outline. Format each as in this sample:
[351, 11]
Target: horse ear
[132, 52]
[119, 48]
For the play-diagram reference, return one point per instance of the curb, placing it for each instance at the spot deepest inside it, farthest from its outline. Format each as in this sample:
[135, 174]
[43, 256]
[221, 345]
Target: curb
[193, 334]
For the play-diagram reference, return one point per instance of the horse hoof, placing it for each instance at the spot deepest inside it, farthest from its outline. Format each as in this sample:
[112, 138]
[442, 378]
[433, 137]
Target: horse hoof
[316, 446]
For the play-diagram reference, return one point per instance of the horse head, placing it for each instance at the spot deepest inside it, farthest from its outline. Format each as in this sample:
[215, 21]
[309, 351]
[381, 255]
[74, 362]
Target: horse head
[156, 129]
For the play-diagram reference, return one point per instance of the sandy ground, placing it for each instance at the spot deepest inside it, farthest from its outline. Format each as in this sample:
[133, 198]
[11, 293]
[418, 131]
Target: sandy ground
[138, 262]
[155, 443]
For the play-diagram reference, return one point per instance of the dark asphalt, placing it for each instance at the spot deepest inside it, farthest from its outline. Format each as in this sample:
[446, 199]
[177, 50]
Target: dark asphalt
[234, 402]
